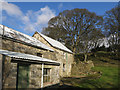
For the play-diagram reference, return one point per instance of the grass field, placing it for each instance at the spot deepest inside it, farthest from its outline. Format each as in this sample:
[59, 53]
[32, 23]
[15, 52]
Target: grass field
[109, 78]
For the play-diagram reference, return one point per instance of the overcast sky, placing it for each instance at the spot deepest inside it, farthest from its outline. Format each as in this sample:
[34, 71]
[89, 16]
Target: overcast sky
[28, 17]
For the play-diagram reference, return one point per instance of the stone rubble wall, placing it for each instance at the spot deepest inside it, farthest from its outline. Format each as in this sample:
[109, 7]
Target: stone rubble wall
[35, 76]
[35, 69]
[60, 56]
[82, 68]
[0, 64]
[10, 73]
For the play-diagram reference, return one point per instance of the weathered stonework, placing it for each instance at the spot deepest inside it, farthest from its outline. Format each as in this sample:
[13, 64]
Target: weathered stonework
[61, 56]
[11, 66]
[35, 69]
[9, 73]
[0, 64]
[82, 68]
[54, 73]
[35, 76]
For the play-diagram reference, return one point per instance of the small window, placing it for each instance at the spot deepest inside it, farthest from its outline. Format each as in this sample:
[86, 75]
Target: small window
[63, 67]
[46, 75]
[39, 54]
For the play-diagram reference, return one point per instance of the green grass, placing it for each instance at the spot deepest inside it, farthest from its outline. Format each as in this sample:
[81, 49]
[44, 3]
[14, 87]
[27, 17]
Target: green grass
[110, 73]
[108, 79]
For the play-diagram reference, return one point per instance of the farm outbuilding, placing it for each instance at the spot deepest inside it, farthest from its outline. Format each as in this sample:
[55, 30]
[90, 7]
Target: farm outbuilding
[27, 62]
[23, 67]
[63, 54]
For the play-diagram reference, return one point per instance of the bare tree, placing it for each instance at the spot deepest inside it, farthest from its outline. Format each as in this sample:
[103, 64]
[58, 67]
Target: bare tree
[73, 27]
[112, 25]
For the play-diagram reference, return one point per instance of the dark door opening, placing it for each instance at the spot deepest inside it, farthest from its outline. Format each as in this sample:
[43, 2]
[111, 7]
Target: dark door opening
[23, 76]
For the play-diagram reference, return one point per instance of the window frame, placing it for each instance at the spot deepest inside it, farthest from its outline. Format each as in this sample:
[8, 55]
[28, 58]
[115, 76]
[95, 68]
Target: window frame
[46, 74]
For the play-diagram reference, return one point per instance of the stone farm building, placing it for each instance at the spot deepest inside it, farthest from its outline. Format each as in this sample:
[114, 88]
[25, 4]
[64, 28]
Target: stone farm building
[32, 62]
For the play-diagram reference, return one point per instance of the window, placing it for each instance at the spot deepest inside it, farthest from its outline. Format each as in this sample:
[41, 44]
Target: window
[39, 54]
[63, 67]
[46, 75]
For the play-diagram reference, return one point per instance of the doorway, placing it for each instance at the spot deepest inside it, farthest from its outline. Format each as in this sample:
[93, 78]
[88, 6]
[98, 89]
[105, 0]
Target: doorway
[23, 76]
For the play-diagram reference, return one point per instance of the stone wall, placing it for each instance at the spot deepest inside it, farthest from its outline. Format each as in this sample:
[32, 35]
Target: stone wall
[0, 64]
[54, 73]
[82, 68]
[35, 69]
[10, 73]
[64, 58]
[61, 56]
[35, 76]
[18, 47]
[36, 73]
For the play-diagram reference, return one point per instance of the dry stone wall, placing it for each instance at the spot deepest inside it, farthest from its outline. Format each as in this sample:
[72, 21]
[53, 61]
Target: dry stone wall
[82, 68]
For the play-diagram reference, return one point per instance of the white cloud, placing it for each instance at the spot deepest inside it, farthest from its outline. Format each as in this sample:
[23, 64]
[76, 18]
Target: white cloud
[11, 9]
[39, 19]
[29, 27]
[30, 20]
[44, 15]
[25, 19]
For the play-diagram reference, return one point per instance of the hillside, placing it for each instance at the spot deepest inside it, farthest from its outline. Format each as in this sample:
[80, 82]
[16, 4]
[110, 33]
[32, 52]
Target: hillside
[107, 66]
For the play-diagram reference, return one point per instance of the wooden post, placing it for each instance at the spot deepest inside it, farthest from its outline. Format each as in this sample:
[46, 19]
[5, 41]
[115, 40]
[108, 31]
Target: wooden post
[42, 75]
